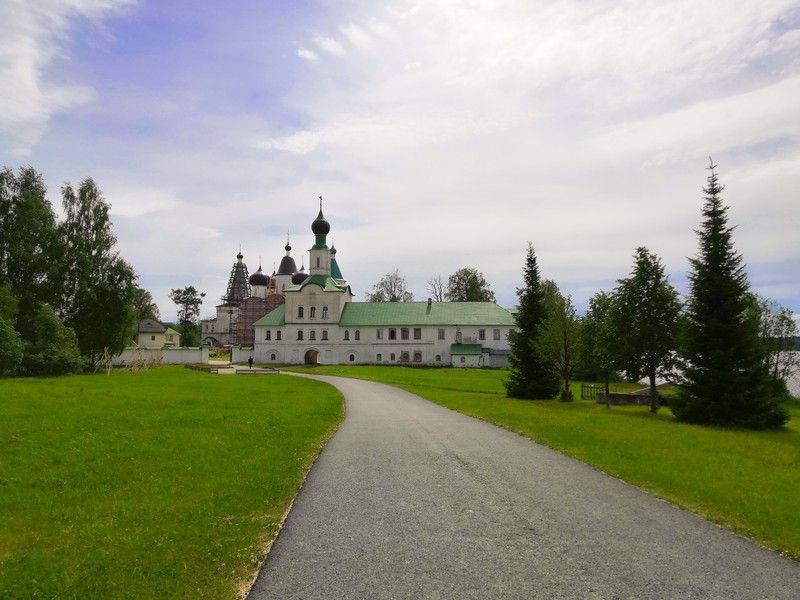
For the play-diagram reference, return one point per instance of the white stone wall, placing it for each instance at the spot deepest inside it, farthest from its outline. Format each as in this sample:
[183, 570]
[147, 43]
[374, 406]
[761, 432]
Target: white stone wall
[164, 356]
[365, 350]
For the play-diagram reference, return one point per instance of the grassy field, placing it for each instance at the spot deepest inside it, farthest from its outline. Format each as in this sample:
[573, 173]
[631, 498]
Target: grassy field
[746, 481]
[162, 484]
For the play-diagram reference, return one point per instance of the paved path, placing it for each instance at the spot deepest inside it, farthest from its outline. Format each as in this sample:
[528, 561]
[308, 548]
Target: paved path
[411, 500]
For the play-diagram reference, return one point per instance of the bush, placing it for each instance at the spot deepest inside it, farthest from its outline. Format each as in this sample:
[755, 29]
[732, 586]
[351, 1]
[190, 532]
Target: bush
[54, 349]
[11, 350]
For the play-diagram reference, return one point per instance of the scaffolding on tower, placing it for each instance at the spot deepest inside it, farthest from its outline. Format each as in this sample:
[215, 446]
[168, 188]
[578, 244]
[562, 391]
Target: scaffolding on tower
[238, 290]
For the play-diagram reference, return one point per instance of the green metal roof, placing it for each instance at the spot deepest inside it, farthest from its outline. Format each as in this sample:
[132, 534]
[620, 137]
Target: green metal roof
[362, 314]
[276, 318]
[171, 331]
[336, 273]
[466, 349]
[325, 282]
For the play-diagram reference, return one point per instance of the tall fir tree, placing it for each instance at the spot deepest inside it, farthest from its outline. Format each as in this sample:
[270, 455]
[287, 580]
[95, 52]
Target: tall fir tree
[531, 377]
[725, 379]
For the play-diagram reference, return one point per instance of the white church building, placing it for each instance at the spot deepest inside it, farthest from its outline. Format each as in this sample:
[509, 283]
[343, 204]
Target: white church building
[318, 322]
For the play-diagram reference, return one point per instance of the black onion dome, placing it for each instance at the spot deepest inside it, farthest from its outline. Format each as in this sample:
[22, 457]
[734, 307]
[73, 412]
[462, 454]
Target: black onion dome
[300, 276]
[287, 266]
[259, 278]
[320, 226]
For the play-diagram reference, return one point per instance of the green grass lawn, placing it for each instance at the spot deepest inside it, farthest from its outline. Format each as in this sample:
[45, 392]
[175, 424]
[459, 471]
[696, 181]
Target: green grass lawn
[161, 484]
[746, 481]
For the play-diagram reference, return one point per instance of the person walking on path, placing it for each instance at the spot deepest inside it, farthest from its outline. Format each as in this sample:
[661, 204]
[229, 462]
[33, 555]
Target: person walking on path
[250, 362]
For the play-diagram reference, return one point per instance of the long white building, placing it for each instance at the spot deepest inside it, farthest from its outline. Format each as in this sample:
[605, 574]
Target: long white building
[320, 323]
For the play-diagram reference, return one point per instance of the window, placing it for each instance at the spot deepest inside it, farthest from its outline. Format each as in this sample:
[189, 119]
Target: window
[300, 335]
[391, 357]
[300, 312]
[325, 334]
[358, 334]
[324, 312]
[496, 334]
[269, 335]
[392, 334]
[352, 358]
[346, 334]
[441, 334]
[481, 334]
[438, 358]
[379, 334]
[313, 312]
[417, 333]
[404, 357]
[463, 360]
[417, 356]
[278, 335]
[312, 335]
[152, 338]
[272, 356]
[379, 358]
[404, 333]
[318, 262]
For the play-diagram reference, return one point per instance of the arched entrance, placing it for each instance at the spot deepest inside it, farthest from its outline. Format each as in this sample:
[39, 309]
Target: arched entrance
[312, 357]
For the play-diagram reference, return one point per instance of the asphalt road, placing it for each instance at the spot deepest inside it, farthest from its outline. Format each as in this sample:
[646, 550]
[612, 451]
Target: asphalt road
[411, 500]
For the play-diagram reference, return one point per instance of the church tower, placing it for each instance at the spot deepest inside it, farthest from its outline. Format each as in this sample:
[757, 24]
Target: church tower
[320, 253]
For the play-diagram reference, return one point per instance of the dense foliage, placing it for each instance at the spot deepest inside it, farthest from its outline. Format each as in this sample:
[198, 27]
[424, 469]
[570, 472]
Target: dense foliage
[725, 372]
[599, 340]
[72, 268]
[468, 285]
[530, 376]
[558, 339]
[645, 311]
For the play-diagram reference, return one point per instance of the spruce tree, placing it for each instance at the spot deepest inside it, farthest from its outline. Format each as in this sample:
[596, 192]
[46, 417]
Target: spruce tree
[725, 379]
[530, 377]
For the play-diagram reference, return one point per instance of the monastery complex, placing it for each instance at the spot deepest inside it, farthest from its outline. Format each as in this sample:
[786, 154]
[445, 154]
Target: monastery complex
[299, 317]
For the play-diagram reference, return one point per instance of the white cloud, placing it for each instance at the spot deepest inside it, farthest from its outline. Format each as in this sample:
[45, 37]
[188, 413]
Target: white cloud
[448, 134]
[34, 36]
[329, 45]
[356, 35]
[132, 201]
[307, 54]
[718, 125]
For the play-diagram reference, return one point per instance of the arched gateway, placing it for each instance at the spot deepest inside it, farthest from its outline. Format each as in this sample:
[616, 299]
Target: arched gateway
[311, 357]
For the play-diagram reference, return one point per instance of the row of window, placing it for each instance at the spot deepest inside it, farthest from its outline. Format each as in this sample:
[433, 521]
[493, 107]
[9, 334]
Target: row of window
[312, 312]
[379, 357]
[404, 334]
[404, 357]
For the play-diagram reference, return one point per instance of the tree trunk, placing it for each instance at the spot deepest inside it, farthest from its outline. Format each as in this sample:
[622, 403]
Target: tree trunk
[608, 391]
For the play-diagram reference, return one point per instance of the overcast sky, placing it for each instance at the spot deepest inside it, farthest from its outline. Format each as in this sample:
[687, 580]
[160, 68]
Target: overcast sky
[441, 134]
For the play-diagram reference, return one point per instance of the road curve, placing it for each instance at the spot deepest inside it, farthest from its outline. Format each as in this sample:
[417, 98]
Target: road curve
[412, 500]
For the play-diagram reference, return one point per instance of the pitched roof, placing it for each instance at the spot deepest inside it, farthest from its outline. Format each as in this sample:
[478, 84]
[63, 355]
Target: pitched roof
[363, 314]
[422, 313]
[325, 282]
[151, 326]
[275, 318]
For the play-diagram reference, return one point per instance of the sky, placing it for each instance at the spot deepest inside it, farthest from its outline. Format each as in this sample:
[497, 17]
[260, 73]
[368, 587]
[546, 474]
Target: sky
[441, 133]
